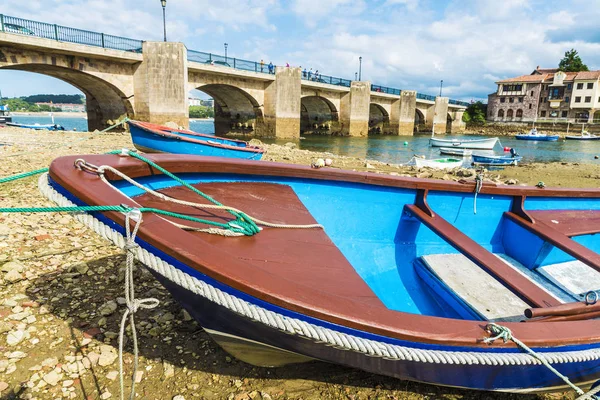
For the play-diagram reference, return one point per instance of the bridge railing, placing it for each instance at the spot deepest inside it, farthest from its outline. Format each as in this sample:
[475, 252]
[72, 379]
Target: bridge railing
[332, 80]
[385, 89]
[237, 63]
[65, 34]
[425, 97]
[459, 103]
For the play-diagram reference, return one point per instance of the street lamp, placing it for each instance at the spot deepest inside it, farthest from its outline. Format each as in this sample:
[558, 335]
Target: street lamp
[356, 76]
[226, 51]
[359, 68]
[164, 6]
[441, 85]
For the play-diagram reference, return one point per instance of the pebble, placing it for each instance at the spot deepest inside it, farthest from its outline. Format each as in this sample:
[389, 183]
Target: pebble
[12, 266]
[178, 397]
[108, 308]
[13, 276]
[168, 370]
[108, 355]
[112, 375]
[106, 395]
[15, 337]
[52, 378]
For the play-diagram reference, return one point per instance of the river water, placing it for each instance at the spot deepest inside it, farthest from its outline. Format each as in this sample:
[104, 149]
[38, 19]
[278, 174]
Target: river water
[388, 148]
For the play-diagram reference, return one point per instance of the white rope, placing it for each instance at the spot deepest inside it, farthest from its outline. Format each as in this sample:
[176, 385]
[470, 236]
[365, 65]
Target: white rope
[161, 196]
[133, 304]
[316, 333]
[478, 184]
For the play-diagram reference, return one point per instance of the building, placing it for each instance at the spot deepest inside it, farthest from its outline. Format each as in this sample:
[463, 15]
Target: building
[547, 94]
[65, 107]
[194, 101]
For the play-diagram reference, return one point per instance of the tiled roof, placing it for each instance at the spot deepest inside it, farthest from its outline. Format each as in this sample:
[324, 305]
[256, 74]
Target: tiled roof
[588, 75]
[570, 76]
[524, 78]
[545, 70]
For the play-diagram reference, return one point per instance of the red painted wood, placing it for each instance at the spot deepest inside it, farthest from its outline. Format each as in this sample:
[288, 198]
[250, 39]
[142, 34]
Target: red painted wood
[559, 240]
[510, 278]
[570, 222]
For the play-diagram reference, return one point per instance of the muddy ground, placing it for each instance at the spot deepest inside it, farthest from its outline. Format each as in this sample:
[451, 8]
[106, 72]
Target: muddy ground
[61, 289]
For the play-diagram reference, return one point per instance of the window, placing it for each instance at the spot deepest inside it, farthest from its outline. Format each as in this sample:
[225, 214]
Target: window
[590, 85]
[502, 99]
[511, 100]
[569, 86]
[577, 99]
[500, 113]
[588, 99]
[580, 86]
[532, 93]
[530, 106]
[509, 114]
[564, 114]
[567, 98]
[519, 113]
[512, 88]
[520, 99]
[556, 93]
[543, 114]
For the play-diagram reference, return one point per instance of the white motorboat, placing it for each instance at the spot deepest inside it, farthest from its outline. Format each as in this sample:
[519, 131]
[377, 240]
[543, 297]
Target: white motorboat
[439, 163]
[480, 144]
[458, 152]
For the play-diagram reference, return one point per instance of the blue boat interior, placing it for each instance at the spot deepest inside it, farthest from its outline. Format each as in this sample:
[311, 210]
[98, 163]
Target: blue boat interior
[212, 138]
[409, 266]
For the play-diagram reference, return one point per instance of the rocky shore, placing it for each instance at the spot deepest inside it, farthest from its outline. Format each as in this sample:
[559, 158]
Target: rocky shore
[61, 298]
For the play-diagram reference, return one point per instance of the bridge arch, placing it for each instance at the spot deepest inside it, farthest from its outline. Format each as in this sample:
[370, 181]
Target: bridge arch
[236, 111]
[318, 115]
[419, 121]
[104, 101]
[379, 119]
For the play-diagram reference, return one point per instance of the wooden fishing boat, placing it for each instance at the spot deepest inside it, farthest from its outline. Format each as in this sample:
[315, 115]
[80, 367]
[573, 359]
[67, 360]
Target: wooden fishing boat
[153, 138]
[439, 163]
[537, 136]
[404, 279]
[481, 144]
[585, 135]
[458, 152]
[4, 115]
[496, 160]
[49, 127]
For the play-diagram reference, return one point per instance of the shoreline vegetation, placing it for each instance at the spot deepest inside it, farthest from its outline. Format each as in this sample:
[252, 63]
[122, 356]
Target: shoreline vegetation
[61, 283]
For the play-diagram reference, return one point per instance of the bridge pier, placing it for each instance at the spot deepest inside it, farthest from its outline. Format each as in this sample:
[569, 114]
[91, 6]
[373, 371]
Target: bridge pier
[402, 117]
[355, 109]
[161, 84]
[437, 114]
[457, 125]
[282, 106]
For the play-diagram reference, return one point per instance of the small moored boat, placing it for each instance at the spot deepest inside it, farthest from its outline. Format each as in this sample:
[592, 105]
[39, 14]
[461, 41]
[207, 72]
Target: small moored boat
[49, 127]
[481, 144]
[4, 115]
[496, 160]
[585, 135]
[401, 277]
[458, 152]
[537, 136]
[153, 138]
[439, 163]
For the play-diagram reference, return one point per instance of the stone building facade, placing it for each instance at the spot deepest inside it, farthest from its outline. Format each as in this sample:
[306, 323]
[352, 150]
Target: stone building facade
[547, 94]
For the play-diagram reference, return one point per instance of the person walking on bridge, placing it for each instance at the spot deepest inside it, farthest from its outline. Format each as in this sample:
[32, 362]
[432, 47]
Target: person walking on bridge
[309, 74]
[262, 65]
[271, 67]
[304, 73]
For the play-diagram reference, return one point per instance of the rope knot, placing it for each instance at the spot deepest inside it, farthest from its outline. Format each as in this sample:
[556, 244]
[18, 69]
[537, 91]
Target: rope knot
[245, 226]
[147, 304]
[130, 246]
[500, 332]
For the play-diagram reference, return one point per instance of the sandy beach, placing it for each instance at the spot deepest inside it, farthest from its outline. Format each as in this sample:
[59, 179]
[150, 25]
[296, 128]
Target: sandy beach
[62, 289]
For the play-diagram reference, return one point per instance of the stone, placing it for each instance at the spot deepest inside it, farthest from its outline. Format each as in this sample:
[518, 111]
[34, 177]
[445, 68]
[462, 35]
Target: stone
[112, 375]
[68, 383]
[108, 308]
[13, 266]
[5, 326]
[106, 395]
[15, 337]
[82, 268]
[50, 362]
[17, 355]
[3, 386]
[52, 377]
[168, 370]
[5, 230]
[178, 397]
[290, 145]
[165, 317]
[511, 182]
[13, 276]
[369, 166]
[108, 355]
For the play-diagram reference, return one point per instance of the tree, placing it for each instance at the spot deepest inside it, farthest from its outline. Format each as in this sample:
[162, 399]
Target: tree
[475, 113]
[201, 112]
[571, 62]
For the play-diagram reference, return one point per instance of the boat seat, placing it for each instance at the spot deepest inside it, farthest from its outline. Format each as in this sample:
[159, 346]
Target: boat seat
[574, 277]
[469, 287]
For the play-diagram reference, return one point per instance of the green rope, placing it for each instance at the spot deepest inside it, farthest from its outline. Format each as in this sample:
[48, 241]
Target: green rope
[242, 219]
[234, 226]
[23, 175]
[115, 125]
[37, 171]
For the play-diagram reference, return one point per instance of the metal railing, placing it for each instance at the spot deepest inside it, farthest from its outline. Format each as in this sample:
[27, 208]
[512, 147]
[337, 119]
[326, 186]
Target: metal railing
[332, 80]
[385, 89]
[459, 103]
[60, 33]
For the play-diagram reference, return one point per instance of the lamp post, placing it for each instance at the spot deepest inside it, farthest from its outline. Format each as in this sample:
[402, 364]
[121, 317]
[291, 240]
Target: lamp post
[441, 85]
[356, 76]
[225, 44]
[164, 6]
[359, 68]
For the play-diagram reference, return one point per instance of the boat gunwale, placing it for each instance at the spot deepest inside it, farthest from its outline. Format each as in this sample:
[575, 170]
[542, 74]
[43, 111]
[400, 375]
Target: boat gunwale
[412, 327]
[169, 134]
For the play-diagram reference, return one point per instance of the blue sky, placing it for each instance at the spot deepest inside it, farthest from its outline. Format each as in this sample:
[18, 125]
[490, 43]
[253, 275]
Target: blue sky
[407, 44]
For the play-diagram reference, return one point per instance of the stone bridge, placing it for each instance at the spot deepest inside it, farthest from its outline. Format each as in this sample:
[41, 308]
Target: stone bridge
[152, 84]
